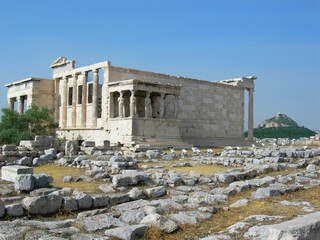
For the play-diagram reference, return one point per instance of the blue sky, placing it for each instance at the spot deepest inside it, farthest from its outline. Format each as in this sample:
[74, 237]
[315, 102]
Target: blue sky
[276, 40]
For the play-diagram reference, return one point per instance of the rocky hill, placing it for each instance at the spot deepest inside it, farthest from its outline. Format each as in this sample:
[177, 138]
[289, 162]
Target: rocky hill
[278, 120]
[281, 126]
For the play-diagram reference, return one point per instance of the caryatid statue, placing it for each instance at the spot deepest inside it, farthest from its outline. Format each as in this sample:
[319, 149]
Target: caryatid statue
[132, 104]
[121, 105]
[147, 104]
[162, 105]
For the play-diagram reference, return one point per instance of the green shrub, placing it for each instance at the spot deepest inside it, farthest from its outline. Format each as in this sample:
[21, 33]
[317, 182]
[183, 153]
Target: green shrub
[15, 127]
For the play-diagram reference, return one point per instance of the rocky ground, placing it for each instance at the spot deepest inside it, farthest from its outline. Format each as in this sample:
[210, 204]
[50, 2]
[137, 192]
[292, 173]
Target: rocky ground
[236, 193]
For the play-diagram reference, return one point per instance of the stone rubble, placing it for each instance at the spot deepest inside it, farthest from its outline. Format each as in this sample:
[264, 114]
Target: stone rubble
[133, 199]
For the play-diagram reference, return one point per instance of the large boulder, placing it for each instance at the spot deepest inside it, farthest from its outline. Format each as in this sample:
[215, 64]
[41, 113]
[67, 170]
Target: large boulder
[42, 204]
[184, 218]
[26, 161]
[127, 233]
[206, 198]
[84, 200]
[156, 192]
[153, 154]
[161, 222]
[129, 179]
[64, 161]
[50, 151]
[39, 161]
[99, 222]
[42, 180]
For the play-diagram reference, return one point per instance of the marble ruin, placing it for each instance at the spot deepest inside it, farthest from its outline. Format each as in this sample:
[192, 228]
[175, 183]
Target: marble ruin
[129, 107]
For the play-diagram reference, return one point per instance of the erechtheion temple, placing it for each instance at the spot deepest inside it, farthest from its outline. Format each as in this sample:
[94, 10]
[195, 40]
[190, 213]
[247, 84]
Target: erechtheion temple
[128, 107]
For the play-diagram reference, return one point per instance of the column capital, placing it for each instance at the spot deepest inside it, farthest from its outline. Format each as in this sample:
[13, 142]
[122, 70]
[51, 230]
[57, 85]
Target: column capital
[95, 70]
[75, 75]
[85, 73]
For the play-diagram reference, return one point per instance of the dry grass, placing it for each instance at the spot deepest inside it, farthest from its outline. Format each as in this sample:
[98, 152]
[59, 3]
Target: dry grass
[205, 170]
[58, 173]
[223, 219]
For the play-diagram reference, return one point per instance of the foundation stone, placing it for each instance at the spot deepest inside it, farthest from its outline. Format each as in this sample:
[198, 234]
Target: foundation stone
[9, 173]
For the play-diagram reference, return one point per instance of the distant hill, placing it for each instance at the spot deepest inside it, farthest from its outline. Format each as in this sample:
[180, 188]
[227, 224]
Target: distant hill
[278, 120]
[280, 126]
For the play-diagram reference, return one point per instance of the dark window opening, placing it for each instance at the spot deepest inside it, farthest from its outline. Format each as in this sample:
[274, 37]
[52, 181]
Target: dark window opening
[70, 96]
[90, 92]
[80, 94]
[99, 101]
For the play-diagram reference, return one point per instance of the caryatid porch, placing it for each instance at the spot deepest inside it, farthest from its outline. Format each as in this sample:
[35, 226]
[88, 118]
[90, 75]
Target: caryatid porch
[143, 110]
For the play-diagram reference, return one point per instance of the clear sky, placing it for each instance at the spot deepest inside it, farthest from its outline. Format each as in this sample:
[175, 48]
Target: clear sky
[276, 40]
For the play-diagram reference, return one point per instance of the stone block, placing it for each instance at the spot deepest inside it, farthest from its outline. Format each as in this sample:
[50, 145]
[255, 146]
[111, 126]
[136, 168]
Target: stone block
[84, 201]
[9, 173]
[70, 203]
[304, 227]
[28, 144]
[127, 233]
[24, 182]
[7, 148]
[156, 192]
[39, 161]
[14, 210]
[100, 201]
[43, 204]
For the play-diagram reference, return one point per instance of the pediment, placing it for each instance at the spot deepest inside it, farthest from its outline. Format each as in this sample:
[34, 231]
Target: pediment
[60, 61]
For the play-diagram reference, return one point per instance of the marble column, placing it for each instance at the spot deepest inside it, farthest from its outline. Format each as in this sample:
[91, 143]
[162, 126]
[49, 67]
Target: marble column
[133, 104]
[56, 100]
[250, 115]
[95, 97]
[11, 104]
[29, 101]
[64, 101]
[20, 104]
[147, 106]
[84, 100]
[111, 105]
[121, 105]
[162, 105]
[74, 100]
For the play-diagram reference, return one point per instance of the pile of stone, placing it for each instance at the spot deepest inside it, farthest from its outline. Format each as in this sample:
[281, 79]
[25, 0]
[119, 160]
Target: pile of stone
[167, 198]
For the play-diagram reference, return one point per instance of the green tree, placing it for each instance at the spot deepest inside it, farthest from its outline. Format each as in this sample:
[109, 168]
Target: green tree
[15, 127]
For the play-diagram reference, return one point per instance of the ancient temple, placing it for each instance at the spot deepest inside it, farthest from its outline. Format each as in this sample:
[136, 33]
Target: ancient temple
[129, 107]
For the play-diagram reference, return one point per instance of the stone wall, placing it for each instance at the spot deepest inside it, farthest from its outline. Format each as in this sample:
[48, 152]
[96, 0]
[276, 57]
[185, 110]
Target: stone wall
[206, 109]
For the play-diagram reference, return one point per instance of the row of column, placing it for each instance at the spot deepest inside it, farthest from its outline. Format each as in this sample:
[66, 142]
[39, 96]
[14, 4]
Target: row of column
[64, 99]
[147, 105]
[21, 99]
